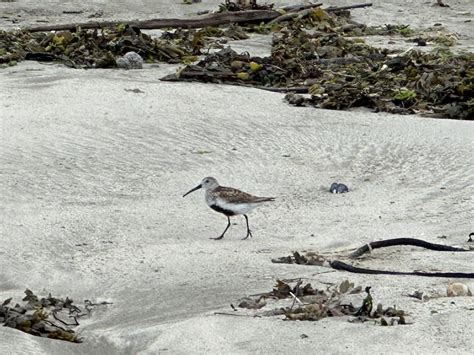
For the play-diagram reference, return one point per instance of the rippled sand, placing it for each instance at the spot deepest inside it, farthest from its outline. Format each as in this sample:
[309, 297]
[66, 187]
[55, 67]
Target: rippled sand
[91, 182]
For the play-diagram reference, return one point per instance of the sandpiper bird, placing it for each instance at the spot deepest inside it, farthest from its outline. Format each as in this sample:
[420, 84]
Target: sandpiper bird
[229, 201]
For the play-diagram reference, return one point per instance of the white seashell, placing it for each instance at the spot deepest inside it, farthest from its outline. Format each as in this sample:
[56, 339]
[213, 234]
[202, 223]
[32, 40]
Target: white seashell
[458, 289]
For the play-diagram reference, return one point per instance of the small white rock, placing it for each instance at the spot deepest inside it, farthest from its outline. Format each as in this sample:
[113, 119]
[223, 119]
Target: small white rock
[131, 60]
[458, 289]
[122, 63]
[135, 60]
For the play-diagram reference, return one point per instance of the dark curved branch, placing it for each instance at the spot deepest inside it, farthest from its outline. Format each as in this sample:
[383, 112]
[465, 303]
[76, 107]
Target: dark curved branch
[339, 265]
[403, 241]
[349, 7]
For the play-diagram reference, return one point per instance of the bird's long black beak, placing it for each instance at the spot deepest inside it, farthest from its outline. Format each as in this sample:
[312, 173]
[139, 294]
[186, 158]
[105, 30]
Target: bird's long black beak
[192, 190]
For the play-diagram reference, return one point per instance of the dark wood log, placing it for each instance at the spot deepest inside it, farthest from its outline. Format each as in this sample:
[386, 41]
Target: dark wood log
[198, 22]
[349, 7]
[295, 89]
[296, 8]
[403, 241]
[216, 19]
[339, 265]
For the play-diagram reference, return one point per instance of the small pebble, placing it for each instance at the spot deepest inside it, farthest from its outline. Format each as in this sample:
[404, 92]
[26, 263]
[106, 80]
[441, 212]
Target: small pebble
[338, 188]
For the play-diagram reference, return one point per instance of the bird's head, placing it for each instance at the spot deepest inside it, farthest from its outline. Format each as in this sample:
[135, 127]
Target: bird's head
[208, 183]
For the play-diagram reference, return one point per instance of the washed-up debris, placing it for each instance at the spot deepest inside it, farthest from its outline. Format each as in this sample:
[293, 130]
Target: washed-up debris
[81, 48]
[441, 3]
[337, 188]
[338, 77]
[309, 258]
[48, 317]
[242, 5]
[367, 305]
[316, 52]
[309, 304]
[135, 91]
[404, 241]
[339, 72]
[205, 39]
[250, 303]
[189, 2]
[430, 295]
[418, 295]
[367, 313]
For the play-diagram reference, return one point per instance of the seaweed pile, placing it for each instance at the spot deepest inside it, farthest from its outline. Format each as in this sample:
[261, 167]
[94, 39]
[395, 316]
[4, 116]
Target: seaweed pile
[82, 48]
[320, 53]
[228, 5]
[316, 55]
[309, 304]
[91, 48]
[49, 317]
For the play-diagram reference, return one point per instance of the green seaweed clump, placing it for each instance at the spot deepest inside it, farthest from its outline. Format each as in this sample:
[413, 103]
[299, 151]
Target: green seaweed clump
[81, 48]
[49, 317]
[341, 73]
[301, 302]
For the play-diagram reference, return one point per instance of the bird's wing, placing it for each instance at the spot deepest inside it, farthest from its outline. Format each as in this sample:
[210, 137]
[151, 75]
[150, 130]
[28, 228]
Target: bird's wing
[236, 196]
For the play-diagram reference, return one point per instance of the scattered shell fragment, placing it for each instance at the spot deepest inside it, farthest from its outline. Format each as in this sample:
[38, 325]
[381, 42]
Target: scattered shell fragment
[458, 289]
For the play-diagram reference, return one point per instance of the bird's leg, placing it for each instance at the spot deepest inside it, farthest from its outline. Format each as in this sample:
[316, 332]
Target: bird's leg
[249, 233]
[225, 230]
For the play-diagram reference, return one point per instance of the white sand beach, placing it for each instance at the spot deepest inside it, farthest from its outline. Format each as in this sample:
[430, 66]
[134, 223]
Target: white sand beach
[92, 178]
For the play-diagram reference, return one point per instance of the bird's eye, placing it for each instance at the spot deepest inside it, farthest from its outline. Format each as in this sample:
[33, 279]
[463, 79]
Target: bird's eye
[206, 181]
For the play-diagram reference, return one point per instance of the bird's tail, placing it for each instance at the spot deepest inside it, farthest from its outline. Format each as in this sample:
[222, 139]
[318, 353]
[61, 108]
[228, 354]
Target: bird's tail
[265, 199]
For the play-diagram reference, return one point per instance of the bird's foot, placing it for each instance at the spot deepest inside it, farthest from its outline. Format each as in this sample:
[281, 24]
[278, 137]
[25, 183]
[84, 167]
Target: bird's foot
[218, 238]
[249, 234]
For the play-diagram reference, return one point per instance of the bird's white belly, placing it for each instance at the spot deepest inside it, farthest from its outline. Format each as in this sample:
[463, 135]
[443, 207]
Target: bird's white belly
[236, 208]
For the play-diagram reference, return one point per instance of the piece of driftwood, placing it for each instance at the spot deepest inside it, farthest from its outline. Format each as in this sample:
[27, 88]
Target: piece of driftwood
[339, 265]
[303, 11]
[215, 19]
[306, 10]
[196, 73]
[349, 7]
[403, 241]
[296, 8]
[295, 89]
[220, 18]
[291, 15]
[213, 76]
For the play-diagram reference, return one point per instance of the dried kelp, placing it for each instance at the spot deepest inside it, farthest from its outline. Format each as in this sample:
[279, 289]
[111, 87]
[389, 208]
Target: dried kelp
[81, 48]
[367, 313]
[339, 72]
[316, 52]
[242, 5]
[48, 317]
[297, 258]
[309, 304]
[90, 48]
[206, 38]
